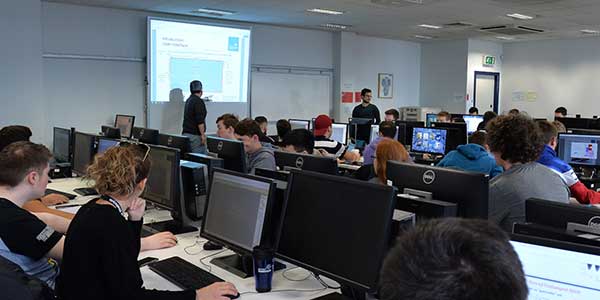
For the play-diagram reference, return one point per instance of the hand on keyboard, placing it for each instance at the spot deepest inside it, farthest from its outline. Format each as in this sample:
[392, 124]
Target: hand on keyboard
[53, 199]
[217, 291]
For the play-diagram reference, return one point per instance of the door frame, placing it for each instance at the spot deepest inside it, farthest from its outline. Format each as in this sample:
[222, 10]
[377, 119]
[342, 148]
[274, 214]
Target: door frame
[496, 88]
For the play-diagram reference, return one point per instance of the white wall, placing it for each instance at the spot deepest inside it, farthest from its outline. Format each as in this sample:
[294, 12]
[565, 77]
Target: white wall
[559, 72]
[362, 58]
[477, 50]
[444, 75]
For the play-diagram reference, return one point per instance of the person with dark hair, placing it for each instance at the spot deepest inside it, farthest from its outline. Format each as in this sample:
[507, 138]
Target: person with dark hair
[473, 111]
[473, 157]
[323, 131]
[194, 118]
[283, 127]
[443, 117]
[514, 111]
[560, 112]
[517, 142]
[387, 130]
[263, 123]
[226, 126]
[392, 114]
[453, 259]
[299, 141]
[102, 247]
[549, 159]
[487, 117]
[366, 110]
[259, 156]
[14, 133]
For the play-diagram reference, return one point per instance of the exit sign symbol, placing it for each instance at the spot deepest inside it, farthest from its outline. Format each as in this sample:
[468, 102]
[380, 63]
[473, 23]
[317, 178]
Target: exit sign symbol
[489, 61]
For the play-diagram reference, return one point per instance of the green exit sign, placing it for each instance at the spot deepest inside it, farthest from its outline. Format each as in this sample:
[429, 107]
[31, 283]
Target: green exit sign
[489, 61]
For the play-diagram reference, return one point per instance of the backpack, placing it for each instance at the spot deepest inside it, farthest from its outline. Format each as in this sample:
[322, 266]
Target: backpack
[15, 284]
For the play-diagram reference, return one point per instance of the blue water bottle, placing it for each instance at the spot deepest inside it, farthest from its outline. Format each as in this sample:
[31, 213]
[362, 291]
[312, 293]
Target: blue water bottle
[264, 265]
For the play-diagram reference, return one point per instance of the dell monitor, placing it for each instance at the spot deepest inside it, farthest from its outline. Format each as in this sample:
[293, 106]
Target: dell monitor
[337, 227]
[402, 133]
[340, 132]
[175, 141]
[299, 124]
[287, 160]
[125, 124]
[467, 189]
[558, 215]
[110, 132]
[459, 134]
[105, 143]
[472, 122]
[586, 131]
[429, 140]
[409, 125]
[360, 129]
[375, 133]
[61, 145]
[231, 151]
[579, 150]
[210, 161]
[558, 270]
[145, 135]
[579, 123]
[83, 152]
[237, 215]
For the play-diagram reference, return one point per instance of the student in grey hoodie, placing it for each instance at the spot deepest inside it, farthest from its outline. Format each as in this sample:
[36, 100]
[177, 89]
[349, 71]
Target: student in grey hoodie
[259, 156]
[473, 157]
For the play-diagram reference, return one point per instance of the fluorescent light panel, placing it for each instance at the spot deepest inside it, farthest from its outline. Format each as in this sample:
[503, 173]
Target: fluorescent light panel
[519, 16]
[430, 26]
[213, 11]
[506, 38]
[589, 31]
[424, 37]
[335, 26]
[325, 11]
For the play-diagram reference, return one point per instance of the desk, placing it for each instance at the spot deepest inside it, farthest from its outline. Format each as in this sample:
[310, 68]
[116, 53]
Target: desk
[192, 242]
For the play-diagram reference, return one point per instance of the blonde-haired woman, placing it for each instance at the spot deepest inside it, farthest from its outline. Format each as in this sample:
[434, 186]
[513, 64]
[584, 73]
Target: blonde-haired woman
[387, 150]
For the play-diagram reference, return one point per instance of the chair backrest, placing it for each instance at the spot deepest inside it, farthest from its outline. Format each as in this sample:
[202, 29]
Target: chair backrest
[17, 285]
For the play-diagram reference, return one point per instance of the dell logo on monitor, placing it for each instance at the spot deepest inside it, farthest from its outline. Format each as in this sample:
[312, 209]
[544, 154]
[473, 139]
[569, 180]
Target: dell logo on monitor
[429, 177]
[220, 146]
[169, 140]
[299, 162]
[594, 222]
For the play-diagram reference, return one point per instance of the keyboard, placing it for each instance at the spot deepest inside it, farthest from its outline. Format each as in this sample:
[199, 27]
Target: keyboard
[183, 274]
[85, 191]
[51, 191]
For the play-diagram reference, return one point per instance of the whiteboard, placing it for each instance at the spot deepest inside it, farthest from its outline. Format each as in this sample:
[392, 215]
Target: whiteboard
[279, 95]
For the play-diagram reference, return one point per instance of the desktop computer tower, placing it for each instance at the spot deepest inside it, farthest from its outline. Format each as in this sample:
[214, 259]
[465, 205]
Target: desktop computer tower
[194, 190]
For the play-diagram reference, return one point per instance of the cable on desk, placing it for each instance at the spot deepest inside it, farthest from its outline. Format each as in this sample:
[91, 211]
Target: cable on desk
[210, 255]
[325, 283]
[325, 286]
[197, 242]
[291, 279]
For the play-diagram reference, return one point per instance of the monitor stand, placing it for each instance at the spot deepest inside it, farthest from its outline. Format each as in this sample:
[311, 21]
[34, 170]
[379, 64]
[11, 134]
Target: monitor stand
[240, 265]
[172, 226]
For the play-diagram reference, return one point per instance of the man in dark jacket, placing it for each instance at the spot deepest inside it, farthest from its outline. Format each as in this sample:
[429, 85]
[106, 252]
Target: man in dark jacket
[472, 157]
[194, 118]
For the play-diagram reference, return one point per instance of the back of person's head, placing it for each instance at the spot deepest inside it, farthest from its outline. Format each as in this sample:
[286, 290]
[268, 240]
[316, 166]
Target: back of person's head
[387, 129]
[479, 138]
[443, 116]
[248, 127]
[300, 139]
[561, 110]
[119, 170]
[393, 112]
[474, 110]
[488, 116]
[388, 150]
[560, 127]
[548, 131]
[195, 87]
[517, 138]
[514, 111]
[453, 259]
[283, 127]
[322, 125]
[14, 133]
[261, 120]
[458, 120]
[229, 120]
[19, 159]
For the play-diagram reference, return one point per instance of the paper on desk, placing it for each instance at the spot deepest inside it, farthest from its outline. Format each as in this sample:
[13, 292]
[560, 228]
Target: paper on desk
[71, 209]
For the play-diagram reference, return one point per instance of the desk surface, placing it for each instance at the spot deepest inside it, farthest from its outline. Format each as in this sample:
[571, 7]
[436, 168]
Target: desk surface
[189, 247]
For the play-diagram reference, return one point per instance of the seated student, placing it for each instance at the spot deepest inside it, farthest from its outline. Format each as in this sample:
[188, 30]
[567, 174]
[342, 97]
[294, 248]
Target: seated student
[259, 156]
[443, 117]
[283, 127]
[516, 142]
[387, 130]
[514, 111]
[263, 123]
[473, 111]
[473, 156]
[101, 248]
[24, 238]
[487, 117]
[453, 259]
[387, 150]
[549, 159]
[323, 131]
[560, 112]
[301, 141]
[392, 115]
[560, 127]
[226, 126]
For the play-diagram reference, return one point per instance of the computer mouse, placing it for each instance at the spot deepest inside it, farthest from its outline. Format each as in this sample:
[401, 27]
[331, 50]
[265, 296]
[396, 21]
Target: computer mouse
[233, 296]
[210, 246]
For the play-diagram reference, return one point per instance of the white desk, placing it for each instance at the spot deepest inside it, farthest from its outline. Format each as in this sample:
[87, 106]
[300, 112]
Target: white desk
[300, 290]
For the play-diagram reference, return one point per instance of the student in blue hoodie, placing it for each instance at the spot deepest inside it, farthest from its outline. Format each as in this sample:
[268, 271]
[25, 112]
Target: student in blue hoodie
[472, 157]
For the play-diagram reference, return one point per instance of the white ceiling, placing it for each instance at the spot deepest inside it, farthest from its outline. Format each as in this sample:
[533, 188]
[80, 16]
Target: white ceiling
[382, 18]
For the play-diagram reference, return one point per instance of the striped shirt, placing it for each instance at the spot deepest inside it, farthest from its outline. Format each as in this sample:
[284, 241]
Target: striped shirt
[332, 147]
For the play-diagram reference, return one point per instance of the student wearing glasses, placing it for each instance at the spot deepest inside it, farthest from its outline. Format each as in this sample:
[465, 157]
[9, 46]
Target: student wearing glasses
[101, 248]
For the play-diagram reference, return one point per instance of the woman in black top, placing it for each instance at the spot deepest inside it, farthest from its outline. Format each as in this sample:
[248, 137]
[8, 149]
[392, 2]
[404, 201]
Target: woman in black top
[101, 248]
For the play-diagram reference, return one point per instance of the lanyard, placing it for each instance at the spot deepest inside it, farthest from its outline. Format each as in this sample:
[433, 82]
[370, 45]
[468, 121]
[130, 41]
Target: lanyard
[114, 203]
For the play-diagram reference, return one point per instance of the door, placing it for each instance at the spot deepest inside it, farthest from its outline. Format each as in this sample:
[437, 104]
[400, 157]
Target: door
[486, 91]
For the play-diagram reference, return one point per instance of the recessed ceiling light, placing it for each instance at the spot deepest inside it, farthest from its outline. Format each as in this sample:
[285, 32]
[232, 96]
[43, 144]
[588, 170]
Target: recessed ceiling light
[506, 38]
[424, 37]
[336, 26]
[212, 11]
[519, 16]
[325, 11]
[430, 26]
[589, 31]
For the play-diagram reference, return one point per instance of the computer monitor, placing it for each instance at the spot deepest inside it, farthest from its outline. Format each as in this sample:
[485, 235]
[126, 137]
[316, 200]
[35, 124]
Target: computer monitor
[579, 123]
[337, 227]
[110, 132]
[231, 151]
[176, 141]
[105, 143]
[469, 190]
[579, 150]
[558, 215]
[429, 140]
[375, 133]
[61, 145]
[145, 135]
[211, 161]
[84, 148]
[286, 160]
[585, 131]
[340, 132]
[409, 129]
[456, 136]
[162, 186]
[360, 129]
[402, 133]
[237, 215]
[430, 118]
[558, 270]
[299, 124]
[125, 124]
[472, 122]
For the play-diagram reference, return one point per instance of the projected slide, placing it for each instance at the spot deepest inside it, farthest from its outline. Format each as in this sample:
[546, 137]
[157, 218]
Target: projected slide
[181, 52]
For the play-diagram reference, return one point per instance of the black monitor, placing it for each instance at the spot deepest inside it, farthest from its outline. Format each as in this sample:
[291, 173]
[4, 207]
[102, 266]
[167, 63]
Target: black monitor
[467, 189]
[61, 145]
[409, 125]
[211, 161]
[558, 215]
[84, 149]
[339, 132]
[180, 142]
[402, 133]
[458, 136]
[585, 131]
[430, 118]
[162, 187]
[231, 151]
[237, 215]
[286, 160]
[579, 150]
[125, 124]
[360, 129]
[106, 143]
[558, 270]
[110, 132]
[145, 135]
[429, 140]
[580, 123]
[299, 124]
[337, 227]
[472, 122]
